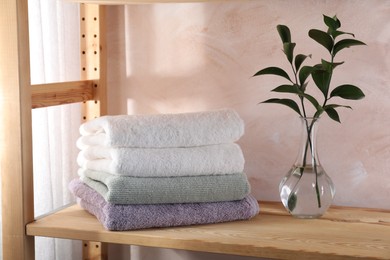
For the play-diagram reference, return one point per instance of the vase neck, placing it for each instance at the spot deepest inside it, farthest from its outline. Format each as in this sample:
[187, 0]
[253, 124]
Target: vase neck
[308, 144]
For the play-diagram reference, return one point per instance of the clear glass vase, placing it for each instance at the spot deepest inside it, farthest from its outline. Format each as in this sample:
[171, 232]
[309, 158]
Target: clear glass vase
[307, 191]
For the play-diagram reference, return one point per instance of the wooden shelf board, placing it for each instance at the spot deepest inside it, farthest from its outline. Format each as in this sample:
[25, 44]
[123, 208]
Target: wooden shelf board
[343, 233]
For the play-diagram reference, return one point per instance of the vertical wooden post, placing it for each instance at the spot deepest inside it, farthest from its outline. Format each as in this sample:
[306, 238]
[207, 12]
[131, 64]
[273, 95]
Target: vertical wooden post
[94, 250]
[93, 66]
[94, 57]
[15, 131]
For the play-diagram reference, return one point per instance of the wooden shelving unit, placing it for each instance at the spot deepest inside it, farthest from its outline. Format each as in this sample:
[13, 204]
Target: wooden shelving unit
[343, 233]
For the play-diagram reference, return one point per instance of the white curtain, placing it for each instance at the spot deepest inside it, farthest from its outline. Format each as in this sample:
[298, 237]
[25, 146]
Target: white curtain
[54, 43]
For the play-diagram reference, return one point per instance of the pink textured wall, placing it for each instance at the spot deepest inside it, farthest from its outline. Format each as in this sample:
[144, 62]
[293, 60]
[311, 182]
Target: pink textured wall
[190, 57]
[170, 58]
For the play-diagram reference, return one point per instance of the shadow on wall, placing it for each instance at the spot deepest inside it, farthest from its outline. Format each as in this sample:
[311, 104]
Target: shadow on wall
[174, 66]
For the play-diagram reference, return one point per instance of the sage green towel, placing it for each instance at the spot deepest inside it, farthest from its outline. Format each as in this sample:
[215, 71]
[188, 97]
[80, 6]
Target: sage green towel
[154, 190]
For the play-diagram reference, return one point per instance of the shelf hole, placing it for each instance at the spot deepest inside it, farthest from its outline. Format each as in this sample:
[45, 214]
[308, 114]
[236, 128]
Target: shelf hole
[85, 244]
[83, 68]
[83, 52]
[95, 69]
[96, 102]
[97, 246]
[94, 18]
[85, 118]
[95, 52]
[83, 35]
[95, 85]
[82, 18]
[95, 35]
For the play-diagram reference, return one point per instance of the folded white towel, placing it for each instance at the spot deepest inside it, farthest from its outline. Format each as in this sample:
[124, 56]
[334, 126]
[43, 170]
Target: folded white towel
[164, 162]
[164, 130]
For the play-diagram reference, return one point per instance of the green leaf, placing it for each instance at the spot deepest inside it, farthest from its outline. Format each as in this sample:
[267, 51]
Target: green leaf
[318, 67]
[304, 73]
[322, 38]
[346, 43]
[347, 92]
[284, 33]
[287, 102]
[312, 100]
[318, 113]
[335, 106]
[273, 71]
[321, 79]
[299, 59]
[303, 86]
[332, 113]
[288, 48]
[287, 89]
[330, 66]
[338, 33]
[294, 89]
[332, 23]
[292, 202]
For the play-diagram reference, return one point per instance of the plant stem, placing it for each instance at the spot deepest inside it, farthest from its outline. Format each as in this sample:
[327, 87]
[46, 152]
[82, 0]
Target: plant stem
[313, 155]
[308, 143]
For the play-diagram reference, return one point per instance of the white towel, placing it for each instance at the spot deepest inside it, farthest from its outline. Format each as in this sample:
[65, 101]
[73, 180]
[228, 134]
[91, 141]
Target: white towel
[164, 162]
[164, 130]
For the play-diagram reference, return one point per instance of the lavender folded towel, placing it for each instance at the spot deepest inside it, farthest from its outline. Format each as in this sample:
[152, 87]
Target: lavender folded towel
[164, 162]
[164, 130]
[119, 189]
[130, 217]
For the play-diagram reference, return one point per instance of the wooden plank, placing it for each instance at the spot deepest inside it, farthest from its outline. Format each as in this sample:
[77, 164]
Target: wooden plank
[94, 58]
[44, 95]
[15, 130]
[101, 91]
[94, 65]
[121, 2]
[94, 251]
[343, 233]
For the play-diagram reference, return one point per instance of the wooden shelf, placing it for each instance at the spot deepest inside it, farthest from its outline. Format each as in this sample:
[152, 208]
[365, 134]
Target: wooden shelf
[343, 233]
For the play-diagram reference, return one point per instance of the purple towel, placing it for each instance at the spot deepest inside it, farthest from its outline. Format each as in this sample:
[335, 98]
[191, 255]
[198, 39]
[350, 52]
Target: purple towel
[131, 217]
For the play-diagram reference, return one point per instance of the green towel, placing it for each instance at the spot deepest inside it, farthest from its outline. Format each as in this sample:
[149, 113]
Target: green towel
[118, 189]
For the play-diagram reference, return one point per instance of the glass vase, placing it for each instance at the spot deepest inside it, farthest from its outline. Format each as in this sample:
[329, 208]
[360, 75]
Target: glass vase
[307, 191]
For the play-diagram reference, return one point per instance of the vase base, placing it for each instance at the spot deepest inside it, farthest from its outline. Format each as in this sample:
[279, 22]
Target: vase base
[307, 216]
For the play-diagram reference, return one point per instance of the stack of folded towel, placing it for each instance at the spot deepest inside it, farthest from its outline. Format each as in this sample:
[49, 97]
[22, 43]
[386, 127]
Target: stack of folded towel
[163, 170]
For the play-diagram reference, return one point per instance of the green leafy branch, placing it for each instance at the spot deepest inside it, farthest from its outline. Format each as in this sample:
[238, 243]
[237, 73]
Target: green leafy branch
[320, 73]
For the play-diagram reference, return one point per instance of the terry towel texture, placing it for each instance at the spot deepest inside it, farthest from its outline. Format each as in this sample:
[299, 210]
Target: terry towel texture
[151, 190]
[165, 130]
[131, 217]
[164, 162]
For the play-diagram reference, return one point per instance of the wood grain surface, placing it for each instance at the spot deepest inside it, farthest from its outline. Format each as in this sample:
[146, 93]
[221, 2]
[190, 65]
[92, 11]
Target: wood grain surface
[343, 233]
